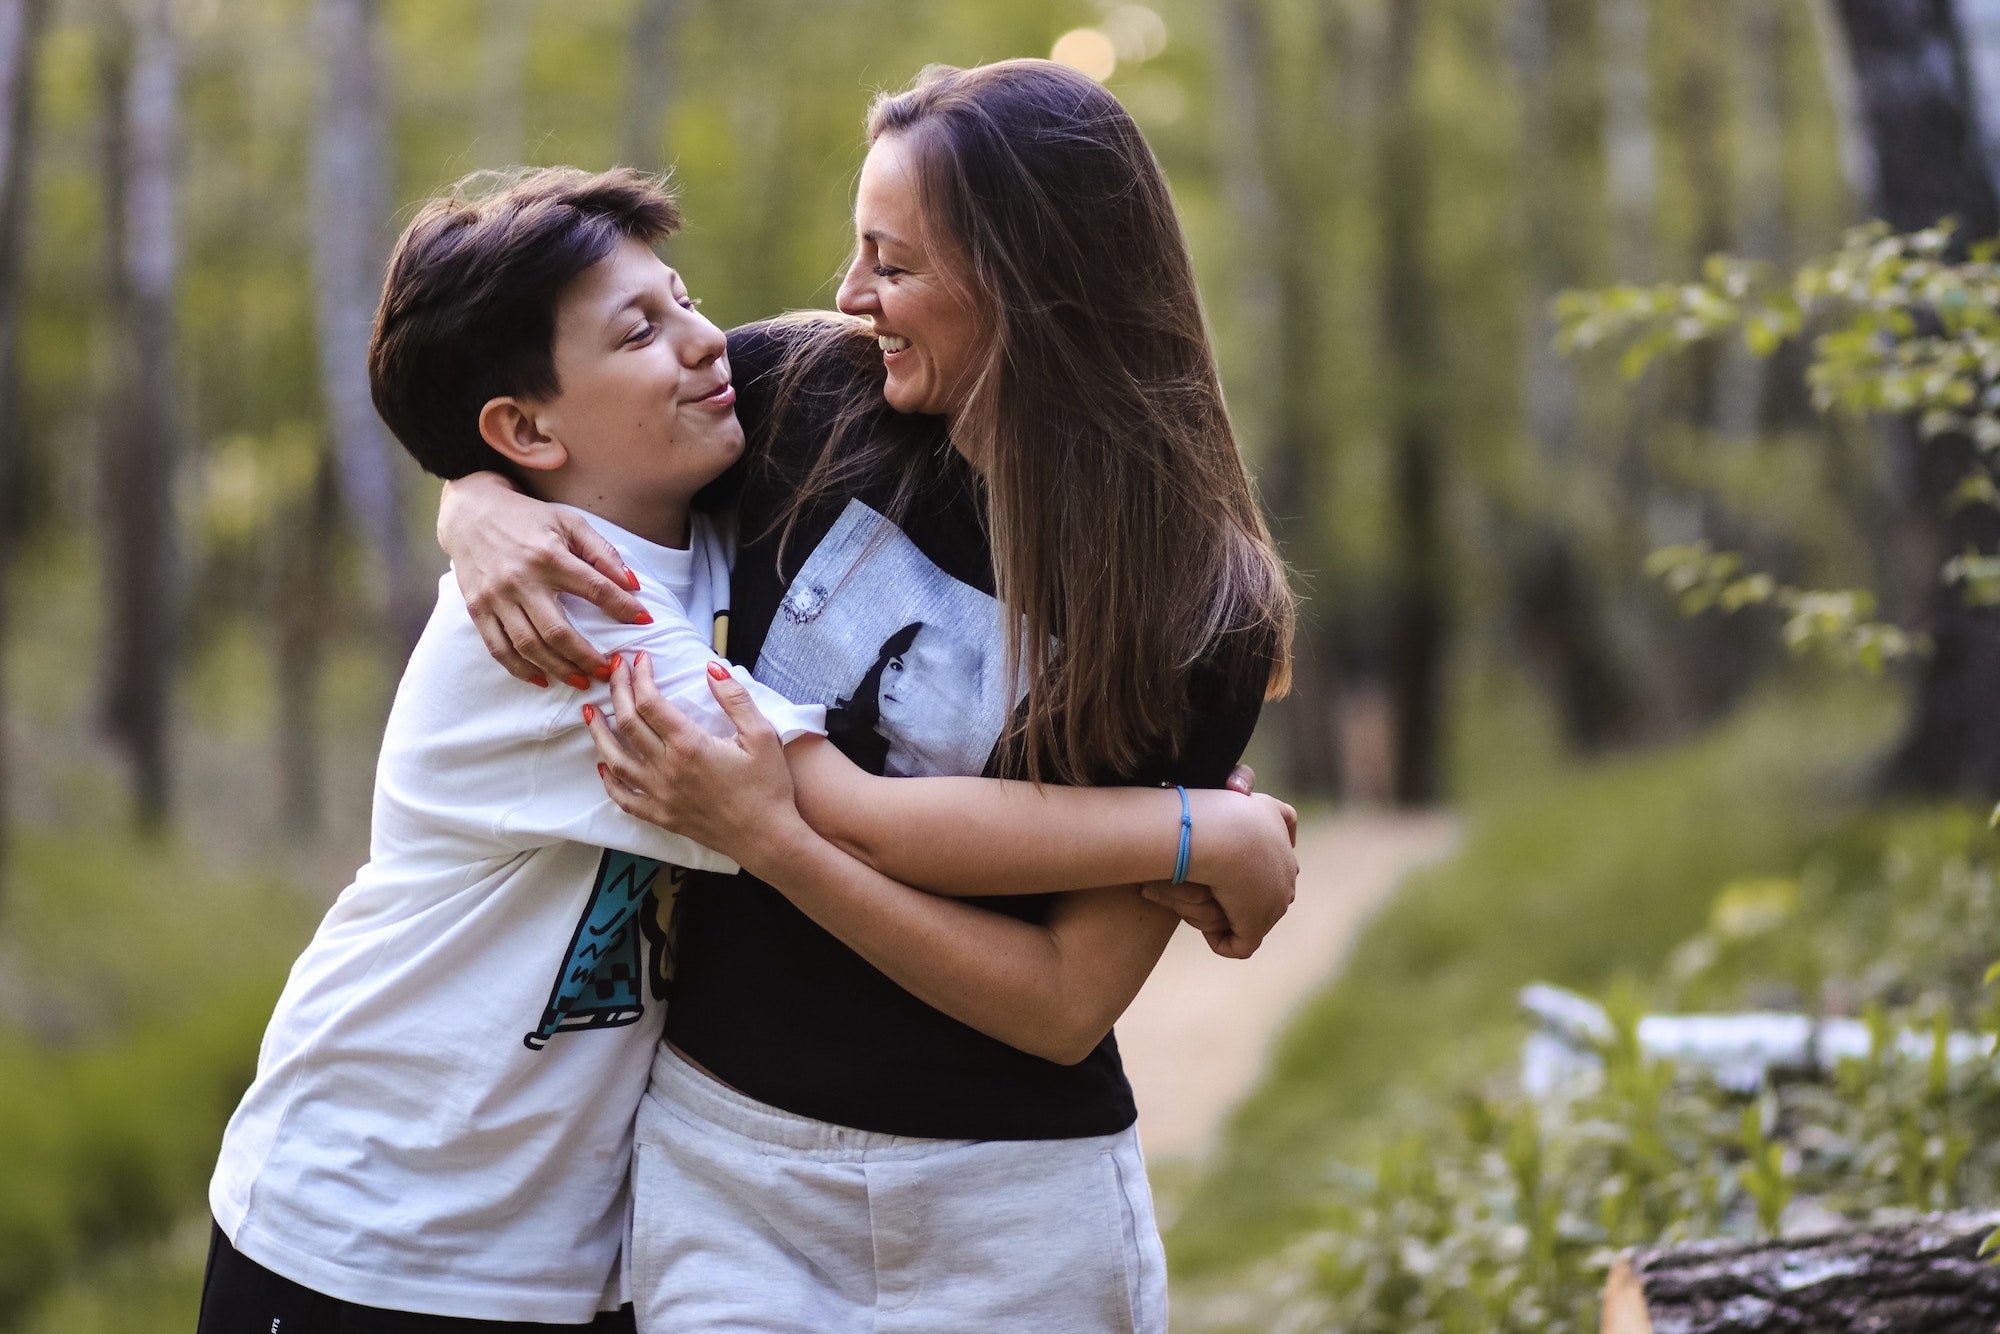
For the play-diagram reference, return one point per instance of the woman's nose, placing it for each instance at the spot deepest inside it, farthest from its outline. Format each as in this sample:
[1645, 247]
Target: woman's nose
[857, 292]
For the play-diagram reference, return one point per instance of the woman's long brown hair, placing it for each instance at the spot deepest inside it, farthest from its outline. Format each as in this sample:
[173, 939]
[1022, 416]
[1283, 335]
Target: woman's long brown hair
[1123, 528]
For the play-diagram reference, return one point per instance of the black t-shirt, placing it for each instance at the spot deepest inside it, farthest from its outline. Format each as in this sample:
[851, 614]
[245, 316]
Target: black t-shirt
[894, 627]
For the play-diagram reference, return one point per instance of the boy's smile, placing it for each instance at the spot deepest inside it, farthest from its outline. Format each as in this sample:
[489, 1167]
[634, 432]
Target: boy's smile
[646, 412]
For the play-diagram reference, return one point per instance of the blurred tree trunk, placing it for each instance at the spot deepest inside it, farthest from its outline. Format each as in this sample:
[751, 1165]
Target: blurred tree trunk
[1699, 103]
[649, 84]
[1629, 145]
[1418, 613]
[1917, 100]
[1712, 662]
[140, 69]
[21, 26]
[1760, 193]
[305, 592]
[504, 33]
[350, 189]
[1912, 70]
[1276, 289]
[1554, 603]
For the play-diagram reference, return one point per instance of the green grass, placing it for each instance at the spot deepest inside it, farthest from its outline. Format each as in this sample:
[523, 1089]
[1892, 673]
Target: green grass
[138, 982]
[1578, 875]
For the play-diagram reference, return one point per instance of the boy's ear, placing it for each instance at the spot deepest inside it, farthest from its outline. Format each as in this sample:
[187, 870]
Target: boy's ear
[509, 426]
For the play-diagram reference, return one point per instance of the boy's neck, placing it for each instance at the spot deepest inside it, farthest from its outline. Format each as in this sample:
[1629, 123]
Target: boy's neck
[659, 519]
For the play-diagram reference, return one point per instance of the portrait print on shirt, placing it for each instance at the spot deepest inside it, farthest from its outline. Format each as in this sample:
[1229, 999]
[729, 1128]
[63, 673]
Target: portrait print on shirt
[604, 974]
[913, 669]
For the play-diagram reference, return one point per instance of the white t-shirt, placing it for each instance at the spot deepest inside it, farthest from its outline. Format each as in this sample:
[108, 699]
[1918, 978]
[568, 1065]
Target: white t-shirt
[442, 1116]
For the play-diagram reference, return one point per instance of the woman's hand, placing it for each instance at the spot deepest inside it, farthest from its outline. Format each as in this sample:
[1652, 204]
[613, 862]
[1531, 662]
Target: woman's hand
[512, 554]
[733, 795]
[1243, 864]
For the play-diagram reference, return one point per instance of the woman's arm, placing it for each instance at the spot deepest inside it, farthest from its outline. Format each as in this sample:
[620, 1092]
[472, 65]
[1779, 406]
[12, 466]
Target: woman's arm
[959, 836]
[512, 554]
[985, 836]
[1052, 989]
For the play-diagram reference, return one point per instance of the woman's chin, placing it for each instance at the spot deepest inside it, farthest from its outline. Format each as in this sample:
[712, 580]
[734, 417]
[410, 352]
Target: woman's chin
[906, 397]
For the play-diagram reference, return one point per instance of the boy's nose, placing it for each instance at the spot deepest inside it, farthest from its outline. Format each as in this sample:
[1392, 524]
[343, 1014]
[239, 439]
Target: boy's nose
[703, 344]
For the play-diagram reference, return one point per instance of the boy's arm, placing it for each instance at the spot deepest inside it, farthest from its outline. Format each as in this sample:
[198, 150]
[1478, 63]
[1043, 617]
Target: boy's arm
[518, 760]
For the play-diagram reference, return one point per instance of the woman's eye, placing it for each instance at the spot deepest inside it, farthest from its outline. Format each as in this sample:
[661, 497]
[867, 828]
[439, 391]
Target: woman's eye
[886, 271]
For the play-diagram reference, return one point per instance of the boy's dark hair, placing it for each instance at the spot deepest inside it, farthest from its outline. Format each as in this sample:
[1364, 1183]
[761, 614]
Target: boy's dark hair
[468, 308]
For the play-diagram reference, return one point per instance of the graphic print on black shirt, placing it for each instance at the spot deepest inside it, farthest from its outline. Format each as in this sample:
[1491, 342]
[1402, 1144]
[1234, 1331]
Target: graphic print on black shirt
[912, 669]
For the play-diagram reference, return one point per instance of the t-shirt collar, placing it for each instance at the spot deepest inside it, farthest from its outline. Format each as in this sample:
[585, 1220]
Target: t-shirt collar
[671, 566]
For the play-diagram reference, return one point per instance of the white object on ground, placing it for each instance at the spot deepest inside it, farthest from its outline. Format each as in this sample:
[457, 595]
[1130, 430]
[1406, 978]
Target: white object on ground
[1737, 1050]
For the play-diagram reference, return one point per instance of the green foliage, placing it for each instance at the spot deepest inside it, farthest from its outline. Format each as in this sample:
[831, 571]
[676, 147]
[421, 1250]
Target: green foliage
[1902, 324]
[1505, 1215]
[1830, 621]
[1592, 873]
[137, 982]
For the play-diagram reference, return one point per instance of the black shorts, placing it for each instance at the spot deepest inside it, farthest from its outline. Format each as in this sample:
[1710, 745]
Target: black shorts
[240, 1296]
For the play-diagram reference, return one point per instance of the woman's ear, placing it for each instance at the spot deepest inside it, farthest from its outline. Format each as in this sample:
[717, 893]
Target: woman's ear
[509, 426]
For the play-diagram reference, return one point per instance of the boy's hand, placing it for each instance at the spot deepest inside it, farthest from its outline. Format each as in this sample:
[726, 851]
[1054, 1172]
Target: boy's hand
[512, 555]
[733, 795]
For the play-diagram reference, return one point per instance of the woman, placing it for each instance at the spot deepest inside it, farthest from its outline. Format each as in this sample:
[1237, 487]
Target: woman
[1015, 437]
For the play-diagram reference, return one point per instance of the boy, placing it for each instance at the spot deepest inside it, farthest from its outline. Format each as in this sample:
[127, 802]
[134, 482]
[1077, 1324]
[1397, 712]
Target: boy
[441, 1122]
[439, 1132]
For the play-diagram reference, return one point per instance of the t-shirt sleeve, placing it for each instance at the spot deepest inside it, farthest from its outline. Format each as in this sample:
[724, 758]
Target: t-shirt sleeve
[476, 762]
[1224, 703]
[568, 801]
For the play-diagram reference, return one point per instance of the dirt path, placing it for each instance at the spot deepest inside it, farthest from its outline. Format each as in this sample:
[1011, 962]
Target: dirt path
[1195, 1040]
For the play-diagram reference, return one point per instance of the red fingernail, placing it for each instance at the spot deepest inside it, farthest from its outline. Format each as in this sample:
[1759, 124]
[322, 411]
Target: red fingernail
[718, 671]
[539, 680]
[631, 579]
[579, 680]
[643, 618]
[604, 673]
[600, 771]
[589, 714]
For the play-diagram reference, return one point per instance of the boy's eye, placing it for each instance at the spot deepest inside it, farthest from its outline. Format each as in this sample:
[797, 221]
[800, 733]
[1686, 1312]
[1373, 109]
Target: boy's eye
[640, 334]
[689, 302]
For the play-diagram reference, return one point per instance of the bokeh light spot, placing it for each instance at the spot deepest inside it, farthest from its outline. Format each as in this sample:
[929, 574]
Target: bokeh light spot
[1088, 50]
[1137, 34]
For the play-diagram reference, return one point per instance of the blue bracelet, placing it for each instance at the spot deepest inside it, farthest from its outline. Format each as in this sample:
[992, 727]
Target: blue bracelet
[1187, 831]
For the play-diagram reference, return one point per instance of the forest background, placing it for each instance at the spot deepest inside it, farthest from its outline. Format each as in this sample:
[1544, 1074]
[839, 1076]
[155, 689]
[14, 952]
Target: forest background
[215, 559]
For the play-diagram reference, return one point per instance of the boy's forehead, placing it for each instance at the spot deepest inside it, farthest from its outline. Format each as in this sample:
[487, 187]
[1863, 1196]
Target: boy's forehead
[630, 272]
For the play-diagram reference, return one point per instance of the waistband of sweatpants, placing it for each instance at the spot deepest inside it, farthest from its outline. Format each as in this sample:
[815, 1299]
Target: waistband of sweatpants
[678, 1088]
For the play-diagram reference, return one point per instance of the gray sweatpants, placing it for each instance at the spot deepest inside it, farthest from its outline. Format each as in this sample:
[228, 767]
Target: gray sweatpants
[748, 1218]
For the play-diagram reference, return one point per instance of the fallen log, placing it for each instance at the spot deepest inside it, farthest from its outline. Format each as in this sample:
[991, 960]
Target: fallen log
[1921, 1277]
